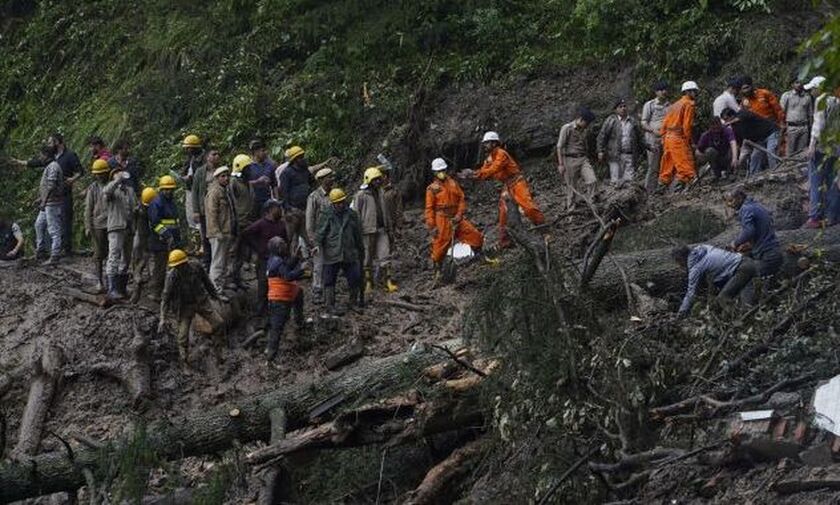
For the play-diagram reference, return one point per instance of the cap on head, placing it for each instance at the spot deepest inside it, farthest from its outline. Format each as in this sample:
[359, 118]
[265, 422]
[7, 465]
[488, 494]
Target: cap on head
[176, 257]
[221, 170]
[324, 172]
[270, 204]
[816, 82]
[337, 195]
[689, 86]
[167, 182]
[294, 152]
[147, 195]
[240, 161]
[491, 137]
[99, 166]
[439, 165]
[191, 141]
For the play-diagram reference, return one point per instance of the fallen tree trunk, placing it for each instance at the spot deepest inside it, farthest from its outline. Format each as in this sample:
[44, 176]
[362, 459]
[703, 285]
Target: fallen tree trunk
[444, 477]
[208, 431]
[46, 373]
[655, 271]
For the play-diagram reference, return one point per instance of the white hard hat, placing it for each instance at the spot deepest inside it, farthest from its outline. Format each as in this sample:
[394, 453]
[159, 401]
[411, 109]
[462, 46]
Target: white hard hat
[816, 82]
[491, 136]
[221, 170]
[438, 164]
[324, 172]
[690, 86]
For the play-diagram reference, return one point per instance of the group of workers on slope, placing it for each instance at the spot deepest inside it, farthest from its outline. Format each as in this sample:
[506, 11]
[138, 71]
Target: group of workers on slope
[750, 130]
[292, 220]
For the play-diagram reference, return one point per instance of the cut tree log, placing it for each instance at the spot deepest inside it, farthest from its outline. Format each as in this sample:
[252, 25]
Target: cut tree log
[207, 431]
[46, 373]
[344, 355]
[271, 478]
[443, 478]
[655, 271]
[396, 421]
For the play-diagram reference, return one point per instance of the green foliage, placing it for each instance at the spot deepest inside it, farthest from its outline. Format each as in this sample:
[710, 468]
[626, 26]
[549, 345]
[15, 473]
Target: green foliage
[126, 469]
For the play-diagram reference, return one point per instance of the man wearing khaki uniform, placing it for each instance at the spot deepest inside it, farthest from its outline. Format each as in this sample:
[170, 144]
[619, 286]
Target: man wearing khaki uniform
[221, 225]
[375, 217]
[316, 202]
[653, 112]
[572, 162]
[799, 112]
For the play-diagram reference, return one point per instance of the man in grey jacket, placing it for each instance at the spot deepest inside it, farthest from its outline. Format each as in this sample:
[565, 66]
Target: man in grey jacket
[317, 201]
[49, 224]
[619, 143]
[728, 271]
[798, 106]
[120, 202]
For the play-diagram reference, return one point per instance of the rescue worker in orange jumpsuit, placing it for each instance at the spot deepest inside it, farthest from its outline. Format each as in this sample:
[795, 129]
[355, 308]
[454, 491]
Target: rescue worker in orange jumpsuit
[445, 208]
[677, 143]
[501, 166]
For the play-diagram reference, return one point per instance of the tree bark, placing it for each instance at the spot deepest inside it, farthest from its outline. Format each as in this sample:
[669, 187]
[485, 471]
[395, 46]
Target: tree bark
[207, 431]
[46, 372]
[443, 477]
[655, 271]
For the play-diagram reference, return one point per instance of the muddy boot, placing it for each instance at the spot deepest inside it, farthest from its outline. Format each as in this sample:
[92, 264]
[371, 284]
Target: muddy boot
[184, 356]
[368, 281]
[122, 285]
[357, 299]
[99, 286]
[113, 293]
[329, 303]
[272, 346]
[390, 286]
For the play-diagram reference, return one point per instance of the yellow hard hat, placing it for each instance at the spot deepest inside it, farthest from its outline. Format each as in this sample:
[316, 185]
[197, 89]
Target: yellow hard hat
[148, 195]
[371, 174]
[167, 182]
[293, 152]
[240, 161]
[191, 141]
[176, 257]
[337, 195]
[99, 166]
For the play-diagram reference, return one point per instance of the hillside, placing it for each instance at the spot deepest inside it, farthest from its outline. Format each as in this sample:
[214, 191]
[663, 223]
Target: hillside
[565, 405]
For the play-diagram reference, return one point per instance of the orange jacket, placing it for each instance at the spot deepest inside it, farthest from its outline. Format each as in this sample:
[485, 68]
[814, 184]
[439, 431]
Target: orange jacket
[679, 120]
[765, 104]
[499, 166]
[444, 197]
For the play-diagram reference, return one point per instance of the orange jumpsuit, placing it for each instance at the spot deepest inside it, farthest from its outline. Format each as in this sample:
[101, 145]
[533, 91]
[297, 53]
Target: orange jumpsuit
[445, 202]
[500, 166]
[676, 142]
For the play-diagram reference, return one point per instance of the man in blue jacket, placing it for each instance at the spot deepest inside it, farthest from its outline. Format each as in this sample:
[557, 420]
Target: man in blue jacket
[729, 271]
[165, 234]
[757, 238]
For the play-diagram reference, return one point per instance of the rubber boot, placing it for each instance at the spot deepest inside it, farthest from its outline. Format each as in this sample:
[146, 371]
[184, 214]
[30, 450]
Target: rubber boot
[122, 285]
[329, 303]
[368, 281]
[99, 287]
[357, 299]
[390, 286]
[113, 290]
